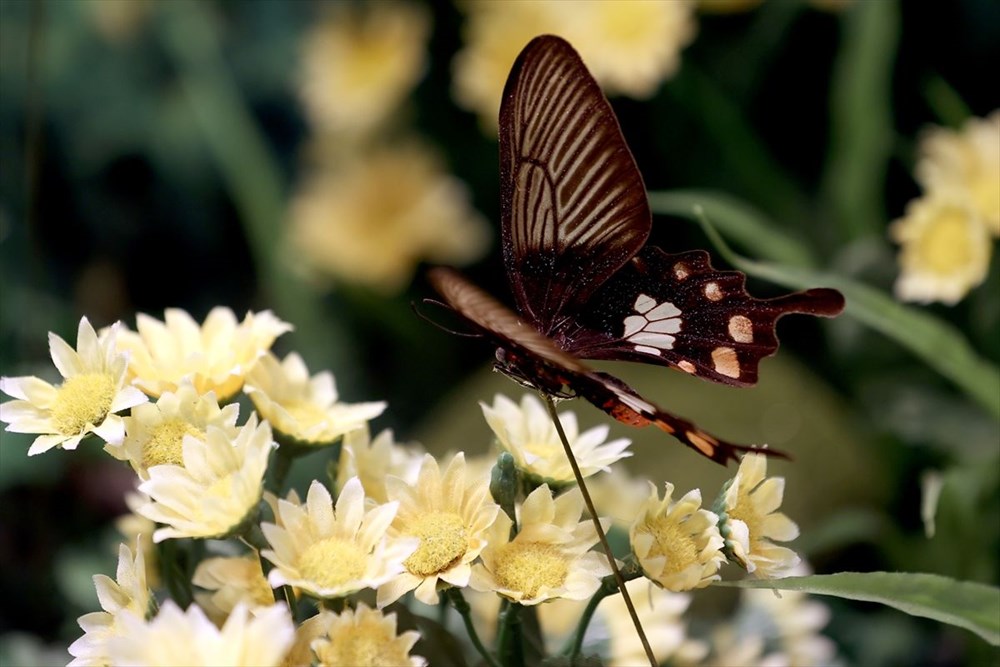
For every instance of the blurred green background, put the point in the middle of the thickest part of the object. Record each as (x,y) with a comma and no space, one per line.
(149,152)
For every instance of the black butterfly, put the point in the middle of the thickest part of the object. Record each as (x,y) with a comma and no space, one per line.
(575,222)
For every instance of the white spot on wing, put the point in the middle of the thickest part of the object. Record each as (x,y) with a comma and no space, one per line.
(634,323)
(644,303)
(680,271)
(725,361)
(686,366)
(712,291)
(652,328)
(663,311)
(646,349)
(741,329)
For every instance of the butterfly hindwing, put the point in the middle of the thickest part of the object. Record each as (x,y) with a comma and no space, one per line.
(677,310)
(571,194)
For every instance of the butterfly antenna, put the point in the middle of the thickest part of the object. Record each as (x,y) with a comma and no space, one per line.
(550,404)
(425,318)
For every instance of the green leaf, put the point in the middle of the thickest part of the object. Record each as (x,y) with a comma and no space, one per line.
(738,220)
(940,345)
(861,130)
(967,604)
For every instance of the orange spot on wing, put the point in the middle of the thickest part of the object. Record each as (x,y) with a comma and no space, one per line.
(705,443)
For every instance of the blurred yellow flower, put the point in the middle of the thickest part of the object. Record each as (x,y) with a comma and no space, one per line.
(371,220)
(965,163)
(449,514)
(309,630)
(677,544)
(129,594)
(361,62)
(330,552)
(631,46)
(214,356)
(231,581)
(661,614)
(189,638)
(550,556)
(365,637)
(216,489)
(945,249)
(154,433)
(618,495)
(527,432)
(303,408)
(792,621)
(372,461)
(94,388)
(750,523)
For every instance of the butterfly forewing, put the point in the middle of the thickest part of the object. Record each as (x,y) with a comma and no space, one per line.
(574,207)
(677,310)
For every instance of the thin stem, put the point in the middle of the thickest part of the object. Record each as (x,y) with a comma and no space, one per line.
(454,595)
(600,530)
(575,643)
(509,640)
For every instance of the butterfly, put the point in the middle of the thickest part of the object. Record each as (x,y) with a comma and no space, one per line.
(575,220)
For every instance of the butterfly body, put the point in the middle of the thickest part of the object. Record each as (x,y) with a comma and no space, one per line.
(575,221)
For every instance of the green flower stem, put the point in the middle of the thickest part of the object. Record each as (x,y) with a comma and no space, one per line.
(575,643)
(173,560)
(509,640)
(278,470)
(600,529)
(455,597)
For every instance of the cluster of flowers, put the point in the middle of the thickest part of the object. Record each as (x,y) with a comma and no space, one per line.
(387,522)
(946,236)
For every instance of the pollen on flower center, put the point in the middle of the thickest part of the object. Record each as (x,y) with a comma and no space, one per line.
(165,444)
(366,644)
(543,450)
(747,513)
(81,400)
(528,566)
(443,542)
(674,543)
(332,562)
(945,246)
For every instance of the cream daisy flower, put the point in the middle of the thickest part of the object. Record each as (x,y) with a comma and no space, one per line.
(332,552)
(359,65)
(309,630)
(750,523)
(662,616)
(94,388)
(449,514)
(966,163)
(945,249)
(550,556)
(215,356)
(373,219)
(231,581)
(303,408)
(618,495)
(365,638)
(373,461)
(128,595)
(189,638)
(677,544)
(631,46)
(154,433)
(137,529)
(527,432)
(216,490)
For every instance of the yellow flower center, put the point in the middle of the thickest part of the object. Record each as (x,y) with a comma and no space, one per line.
(305,413)
(443,542)
(365,644)
(529,566)
(544,450)
(673,542)
(165,444)
(83,400)
(945,247)
(332,562)
(746,512)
